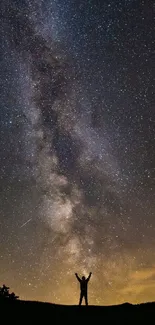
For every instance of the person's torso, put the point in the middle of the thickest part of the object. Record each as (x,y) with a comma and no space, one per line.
(83,285)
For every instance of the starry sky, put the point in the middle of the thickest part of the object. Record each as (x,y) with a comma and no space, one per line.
(77,141)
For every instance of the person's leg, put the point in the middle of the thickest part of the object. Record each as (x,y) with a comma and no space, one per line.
(80,301)
(86,299)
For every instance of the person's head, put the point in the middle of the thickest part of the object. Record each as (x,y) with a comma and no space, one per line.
(83,278)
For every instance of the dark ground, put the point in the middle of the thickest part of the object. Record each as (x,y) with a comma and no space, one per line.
(122,314)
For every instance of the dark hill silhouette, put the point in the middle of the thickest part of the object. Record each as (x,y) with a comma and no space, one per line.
(31,310)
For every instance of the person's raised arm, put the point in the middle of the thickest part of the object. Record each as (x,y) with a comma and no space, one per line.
(77,277)
(89,276)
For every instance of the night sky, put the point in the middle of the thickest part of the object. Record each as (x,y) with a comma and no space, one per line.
(77,149)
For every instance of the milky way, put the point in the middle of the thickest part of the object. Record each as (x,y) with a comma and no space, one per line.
(77,149)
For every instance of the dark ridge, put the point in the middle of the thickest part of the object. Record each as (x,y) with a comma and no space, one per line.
(20,310)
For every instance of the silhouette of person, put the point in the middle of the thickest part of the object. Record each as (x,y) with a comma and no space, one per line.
(83,288)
